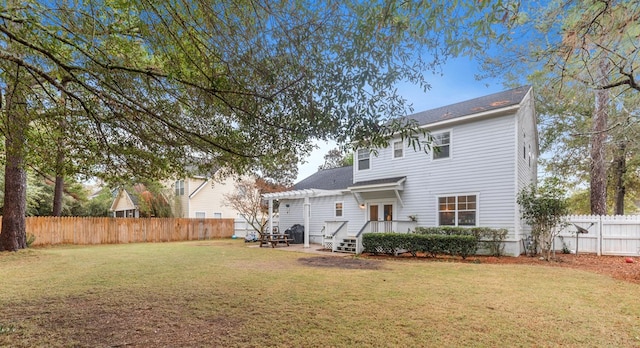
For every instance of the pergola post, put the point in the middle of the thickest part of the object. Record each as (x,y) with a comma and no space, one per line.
(307,213)
(270,215)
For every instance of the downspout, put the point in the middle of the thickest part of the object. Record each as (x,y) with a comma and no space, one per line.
(307,213)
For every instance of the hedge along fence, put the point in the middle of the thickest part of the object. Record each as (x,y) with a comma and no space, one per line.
(436,240)
(51,230)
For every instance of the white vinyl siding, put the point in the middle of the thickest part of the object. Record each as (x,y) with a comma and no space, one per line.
(202,196)
(322,209)
(482,161)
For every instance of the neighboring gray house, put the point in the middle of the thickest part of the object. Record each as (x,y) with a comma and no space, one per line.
(488,149)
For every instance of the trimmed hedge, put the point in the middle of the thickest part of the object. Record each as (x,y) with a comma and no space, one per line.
(489,238)
(456,241)
(430,244)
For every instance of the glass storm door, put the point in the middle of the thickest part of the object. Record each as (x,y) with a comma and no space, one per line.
(381,217)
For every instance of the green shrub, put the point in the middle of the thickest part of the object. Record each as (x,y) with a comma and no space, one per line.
(489,238)
(430,244)
(30,239)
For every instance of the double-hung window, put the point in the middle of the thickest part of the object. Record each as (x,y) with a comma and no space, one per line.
(398,149)
(339,209)
(364,159)
(179,186)
(458,210)
(441,145)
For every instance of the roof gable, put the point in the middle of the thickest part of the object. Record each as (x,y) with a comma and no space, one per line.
(328,179)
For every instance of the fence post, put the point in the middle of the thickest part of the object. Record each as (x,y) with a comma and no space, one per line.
(599,241)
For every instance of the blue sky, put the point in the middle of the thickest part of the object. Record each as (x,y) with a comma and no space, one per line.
(457,83)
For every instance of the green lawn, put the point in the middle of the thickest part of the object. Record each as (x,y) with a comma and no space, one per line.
(225,294)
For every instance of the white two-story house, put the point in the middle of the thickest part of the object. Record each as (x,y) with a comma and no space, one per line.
(487,151)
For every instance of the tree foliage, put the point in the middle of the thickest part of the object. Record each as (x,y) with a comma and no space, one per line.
(152,89)
(247,200)
(585,55)
(544,208)
(336,158)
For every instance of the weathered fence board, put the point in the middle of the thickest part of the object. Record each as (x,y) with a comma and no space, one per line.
(49,230)
(607,235)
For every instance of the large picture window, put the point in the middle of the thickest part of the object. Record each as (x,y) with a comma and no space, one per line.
(441,145)
(457,210)
(364,157)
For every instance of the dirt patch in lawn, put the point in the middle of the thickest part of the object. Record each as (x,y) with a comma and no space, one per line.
(617,267)
(340,262)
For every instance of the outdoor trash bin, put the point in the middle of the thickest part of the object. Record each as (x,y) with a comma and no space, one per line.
(296,232)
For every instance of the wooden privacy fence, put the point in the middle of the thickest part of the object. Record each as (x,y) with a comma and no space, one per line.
(607,235)
(88,230)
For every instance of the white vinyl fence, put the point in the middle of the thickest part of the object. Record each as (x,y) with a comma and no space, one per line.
(607,235)
(242,227)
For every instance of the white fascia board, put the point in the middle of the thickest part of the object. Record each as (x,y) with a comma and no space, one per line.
(497,112)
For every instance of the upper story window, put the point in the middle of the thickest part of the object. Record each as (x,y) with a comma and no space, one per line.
(364,159)
(441,145)
(179,186)
(457,210)
(398,149)
(338,209)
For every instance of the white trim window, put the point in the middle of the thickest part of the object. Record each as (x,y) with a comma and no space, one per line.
(217,215)
(441,145)
(398,149)
(179,186)
(364,159)
(339,209)
(201,215)
(461,210)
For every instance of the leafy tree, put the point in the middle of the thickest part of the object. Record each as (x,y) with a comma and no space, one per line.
(99,204)
(153,200)
(336,158)
(247,200)
(589,45)
(544,208)
(160,87)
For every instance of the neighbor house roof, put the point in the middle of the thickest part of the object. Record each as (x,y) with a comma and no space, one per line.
(473,106)
(327,179)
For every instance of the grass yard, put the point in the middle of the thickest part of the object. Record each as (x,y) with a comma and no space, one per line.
(225,294)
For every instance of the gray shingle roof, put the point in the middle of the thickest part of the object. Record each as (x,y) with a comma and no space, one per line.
(378,181)
(486,103)
(328,179)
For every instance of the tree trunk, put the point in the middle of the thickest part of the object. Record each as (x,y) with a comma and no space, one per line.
(620,163)
(58,192)
(597,149)
(13,233)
